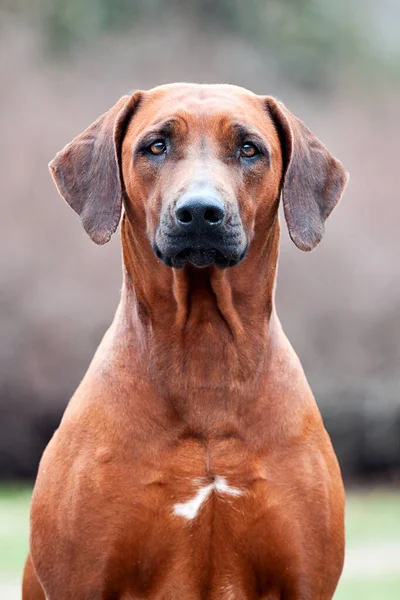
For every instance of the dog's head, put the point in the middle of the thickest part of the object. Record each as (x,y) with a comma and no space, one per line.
(200,168)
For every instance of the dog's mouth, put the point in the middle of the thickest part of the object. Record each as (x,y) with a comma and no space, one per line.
(223,247)
(199,257)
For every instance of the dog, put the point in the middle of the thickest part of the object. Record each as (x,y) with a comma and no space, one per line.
(192,461)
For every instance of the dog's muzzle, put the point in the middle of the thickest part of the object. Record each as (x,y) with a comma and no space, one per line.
(200,232)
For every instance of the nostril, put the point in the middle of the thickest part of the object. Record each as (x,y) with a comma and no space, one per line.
(184,216)
(213,215)
(196,214)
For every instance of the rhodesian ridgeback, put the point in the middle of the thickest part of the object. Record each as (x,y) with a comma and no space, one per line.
(192,461)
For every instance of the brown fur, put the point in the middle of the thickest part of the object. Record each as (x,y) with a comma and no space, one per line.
(194,379)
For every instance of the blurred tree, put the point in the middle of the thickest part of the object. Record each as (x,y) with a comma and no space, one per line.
(53,314)
(310,41)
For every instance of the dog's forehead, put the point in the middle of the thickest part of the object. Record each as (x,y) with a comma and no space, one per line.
(200,101)
(201,94)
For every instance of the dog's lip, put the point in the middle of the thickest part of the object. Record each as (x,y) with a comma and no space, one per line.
(200,257)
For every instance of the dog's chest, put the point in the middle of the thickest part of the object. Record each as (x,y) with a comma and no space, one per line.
(203,517)
(191,518)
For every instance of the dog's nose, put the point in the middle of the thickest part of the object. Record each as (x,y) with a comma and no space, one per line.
(199,213)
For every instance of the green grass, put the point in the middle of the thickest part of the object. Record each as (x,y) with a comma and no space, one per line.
(373,515)
(373,522)
(387,588)
(14,526)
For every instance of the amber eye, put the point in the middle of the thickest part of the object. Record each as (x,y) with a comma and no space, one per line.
(156,148)
(249,150)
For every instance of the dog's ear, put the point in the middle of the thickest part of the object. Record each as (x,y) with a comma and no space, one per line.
(87,171)
(313,180)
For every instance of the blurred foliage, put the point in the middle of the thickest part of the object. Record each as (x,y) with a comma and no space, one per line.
(310,41)
(342,312)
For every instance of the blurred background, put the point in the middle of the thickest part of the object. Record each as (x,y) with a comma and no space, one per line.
(336,65)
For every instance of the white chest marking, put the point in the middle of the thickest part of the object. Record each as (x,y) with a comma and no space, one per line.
(190,509)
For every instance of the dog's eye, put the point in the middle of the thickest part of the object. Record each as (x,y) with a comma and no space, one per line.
(249,150)
(156,148)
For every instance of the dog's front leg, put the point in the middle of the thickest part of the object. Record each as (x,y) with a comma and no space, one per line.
(31,588)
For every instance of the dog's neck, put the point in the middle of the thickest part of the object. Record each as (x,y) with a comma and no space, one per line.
(199,329)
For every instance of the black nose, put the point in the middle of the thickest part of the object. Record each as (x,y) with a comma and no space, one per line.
(199,214)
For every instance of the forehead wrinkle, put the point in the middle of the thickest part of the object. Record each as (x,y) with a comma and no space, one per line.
(206,123)
(169,123)
(196,99)
(244,128)
(202,99)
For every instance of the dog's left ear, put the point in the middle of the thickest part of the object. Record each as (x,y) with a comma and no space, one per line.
(87,171)
(313,180)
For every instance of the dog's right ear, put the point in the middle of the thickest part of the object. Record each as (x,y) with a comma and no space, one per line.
(87,171)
